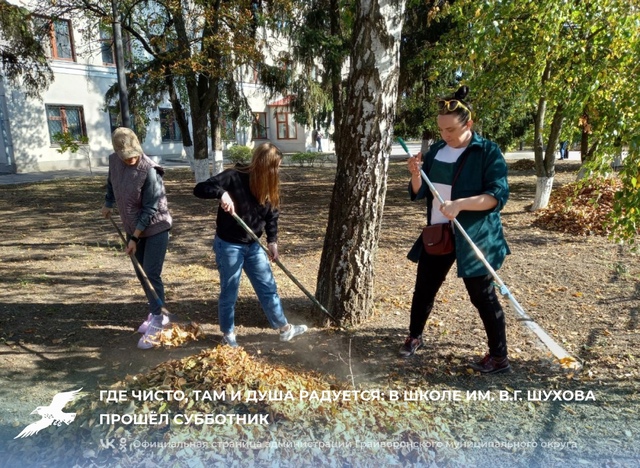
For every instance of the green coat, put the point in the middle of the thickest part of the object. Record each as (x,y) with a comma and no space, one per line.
(484,171)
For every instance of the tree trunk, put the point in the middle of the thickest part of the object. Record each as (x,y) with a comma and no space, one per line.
(216,140)
(543,192)
(538,137)
(428,139)
(345,279)
(335,71)
(200,159)
(201,98)
(543,186)
(187,152)
(584,144)
(216,133)
(181,120)
(553,141)
(586,151)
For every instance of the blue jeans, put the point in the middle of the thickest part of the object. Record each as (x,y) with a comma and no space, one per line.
(232,259)
(150,253)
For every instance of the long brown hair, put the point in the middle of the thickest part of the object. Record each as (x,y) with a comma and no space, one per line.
(264,180)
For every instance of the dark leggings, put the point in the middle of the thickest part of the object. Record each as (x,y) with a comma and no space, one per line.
(432,271)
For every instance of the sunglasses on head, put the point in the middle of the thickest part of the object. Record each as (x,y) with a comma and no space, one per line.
(451,105)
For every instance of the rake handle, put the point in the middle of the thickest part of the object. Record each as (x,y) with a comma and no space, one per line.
(283,268)
(138,267)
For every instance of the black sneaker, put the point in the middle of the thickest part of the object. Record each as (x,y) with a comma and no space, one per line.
(492,365)
(410,346)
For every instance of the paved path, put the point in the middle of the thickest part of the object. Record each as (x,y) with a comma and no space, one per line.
(397,153)
(101,171)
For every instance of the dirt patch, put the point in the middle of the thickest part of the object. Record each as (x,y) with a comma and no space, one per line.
(70,305)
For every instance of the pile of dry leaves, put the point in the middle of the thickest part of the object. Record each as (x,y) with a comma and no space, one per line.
(580,208)
(179,334)
(522,165)
(311,421)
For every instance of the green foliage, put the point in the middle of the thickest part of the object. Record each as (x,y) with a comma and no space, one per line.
(193,53)
(421,80)
(22,58)
(68,141)
(571,65)
(519,56)
(625,218)
(145,94)
(239,154)
(320,48)
(309,158)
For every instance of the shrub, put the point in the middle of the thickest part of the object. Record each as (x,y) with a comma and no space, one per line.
(306,157)
(239,154)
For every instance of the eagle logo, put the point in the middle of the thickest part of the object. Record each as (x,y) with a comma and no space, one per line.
(52,414)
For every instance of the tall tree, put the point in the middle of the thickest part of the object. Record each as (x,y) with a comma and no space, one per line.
(345,280)
(549,54)
(320,48)
(22,58)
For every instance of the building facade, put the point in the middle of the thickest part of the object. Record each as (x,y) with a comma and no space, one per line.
(74,103)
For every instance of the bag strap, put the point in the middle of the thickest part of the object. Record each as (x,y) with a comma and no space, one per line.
(464,158)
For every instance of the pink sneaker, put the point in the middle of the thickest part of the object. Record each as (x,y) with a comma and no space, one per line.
(151,337)
(145,325)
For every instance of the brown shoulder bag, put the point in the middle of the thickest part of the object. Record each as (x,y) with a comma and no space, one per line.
(438,239)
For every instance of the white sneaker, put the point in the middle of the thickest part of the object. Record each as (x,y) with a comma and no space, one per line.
(294,330)
(151,337)
(143,327)
(230,339)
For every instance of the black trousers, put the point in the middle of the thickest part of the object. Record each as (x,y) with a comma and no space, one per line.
(432,271)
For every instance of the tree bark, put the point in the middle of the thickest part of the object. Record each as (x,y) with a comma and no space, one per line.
(544,184)
(187,153)
(200,159)
(216,132)
(345,279)
(335,71)
(181,120)
(553,141)
(538,137)
(584,144)
(201,98)
(544,166)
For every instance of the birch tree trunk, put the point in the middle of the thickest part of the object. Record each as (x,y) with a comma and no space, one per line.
(345,279)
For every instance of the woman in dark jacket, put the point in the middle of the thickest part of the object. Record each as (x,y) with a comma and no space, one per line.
(135,184)
(253,193)
(470,174)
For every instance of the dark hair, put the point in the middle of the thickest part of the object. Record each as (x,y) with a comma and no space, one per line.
(463,112)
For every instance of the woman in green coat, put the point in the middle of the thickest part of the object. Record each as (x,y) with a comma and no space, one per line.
(470,174)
